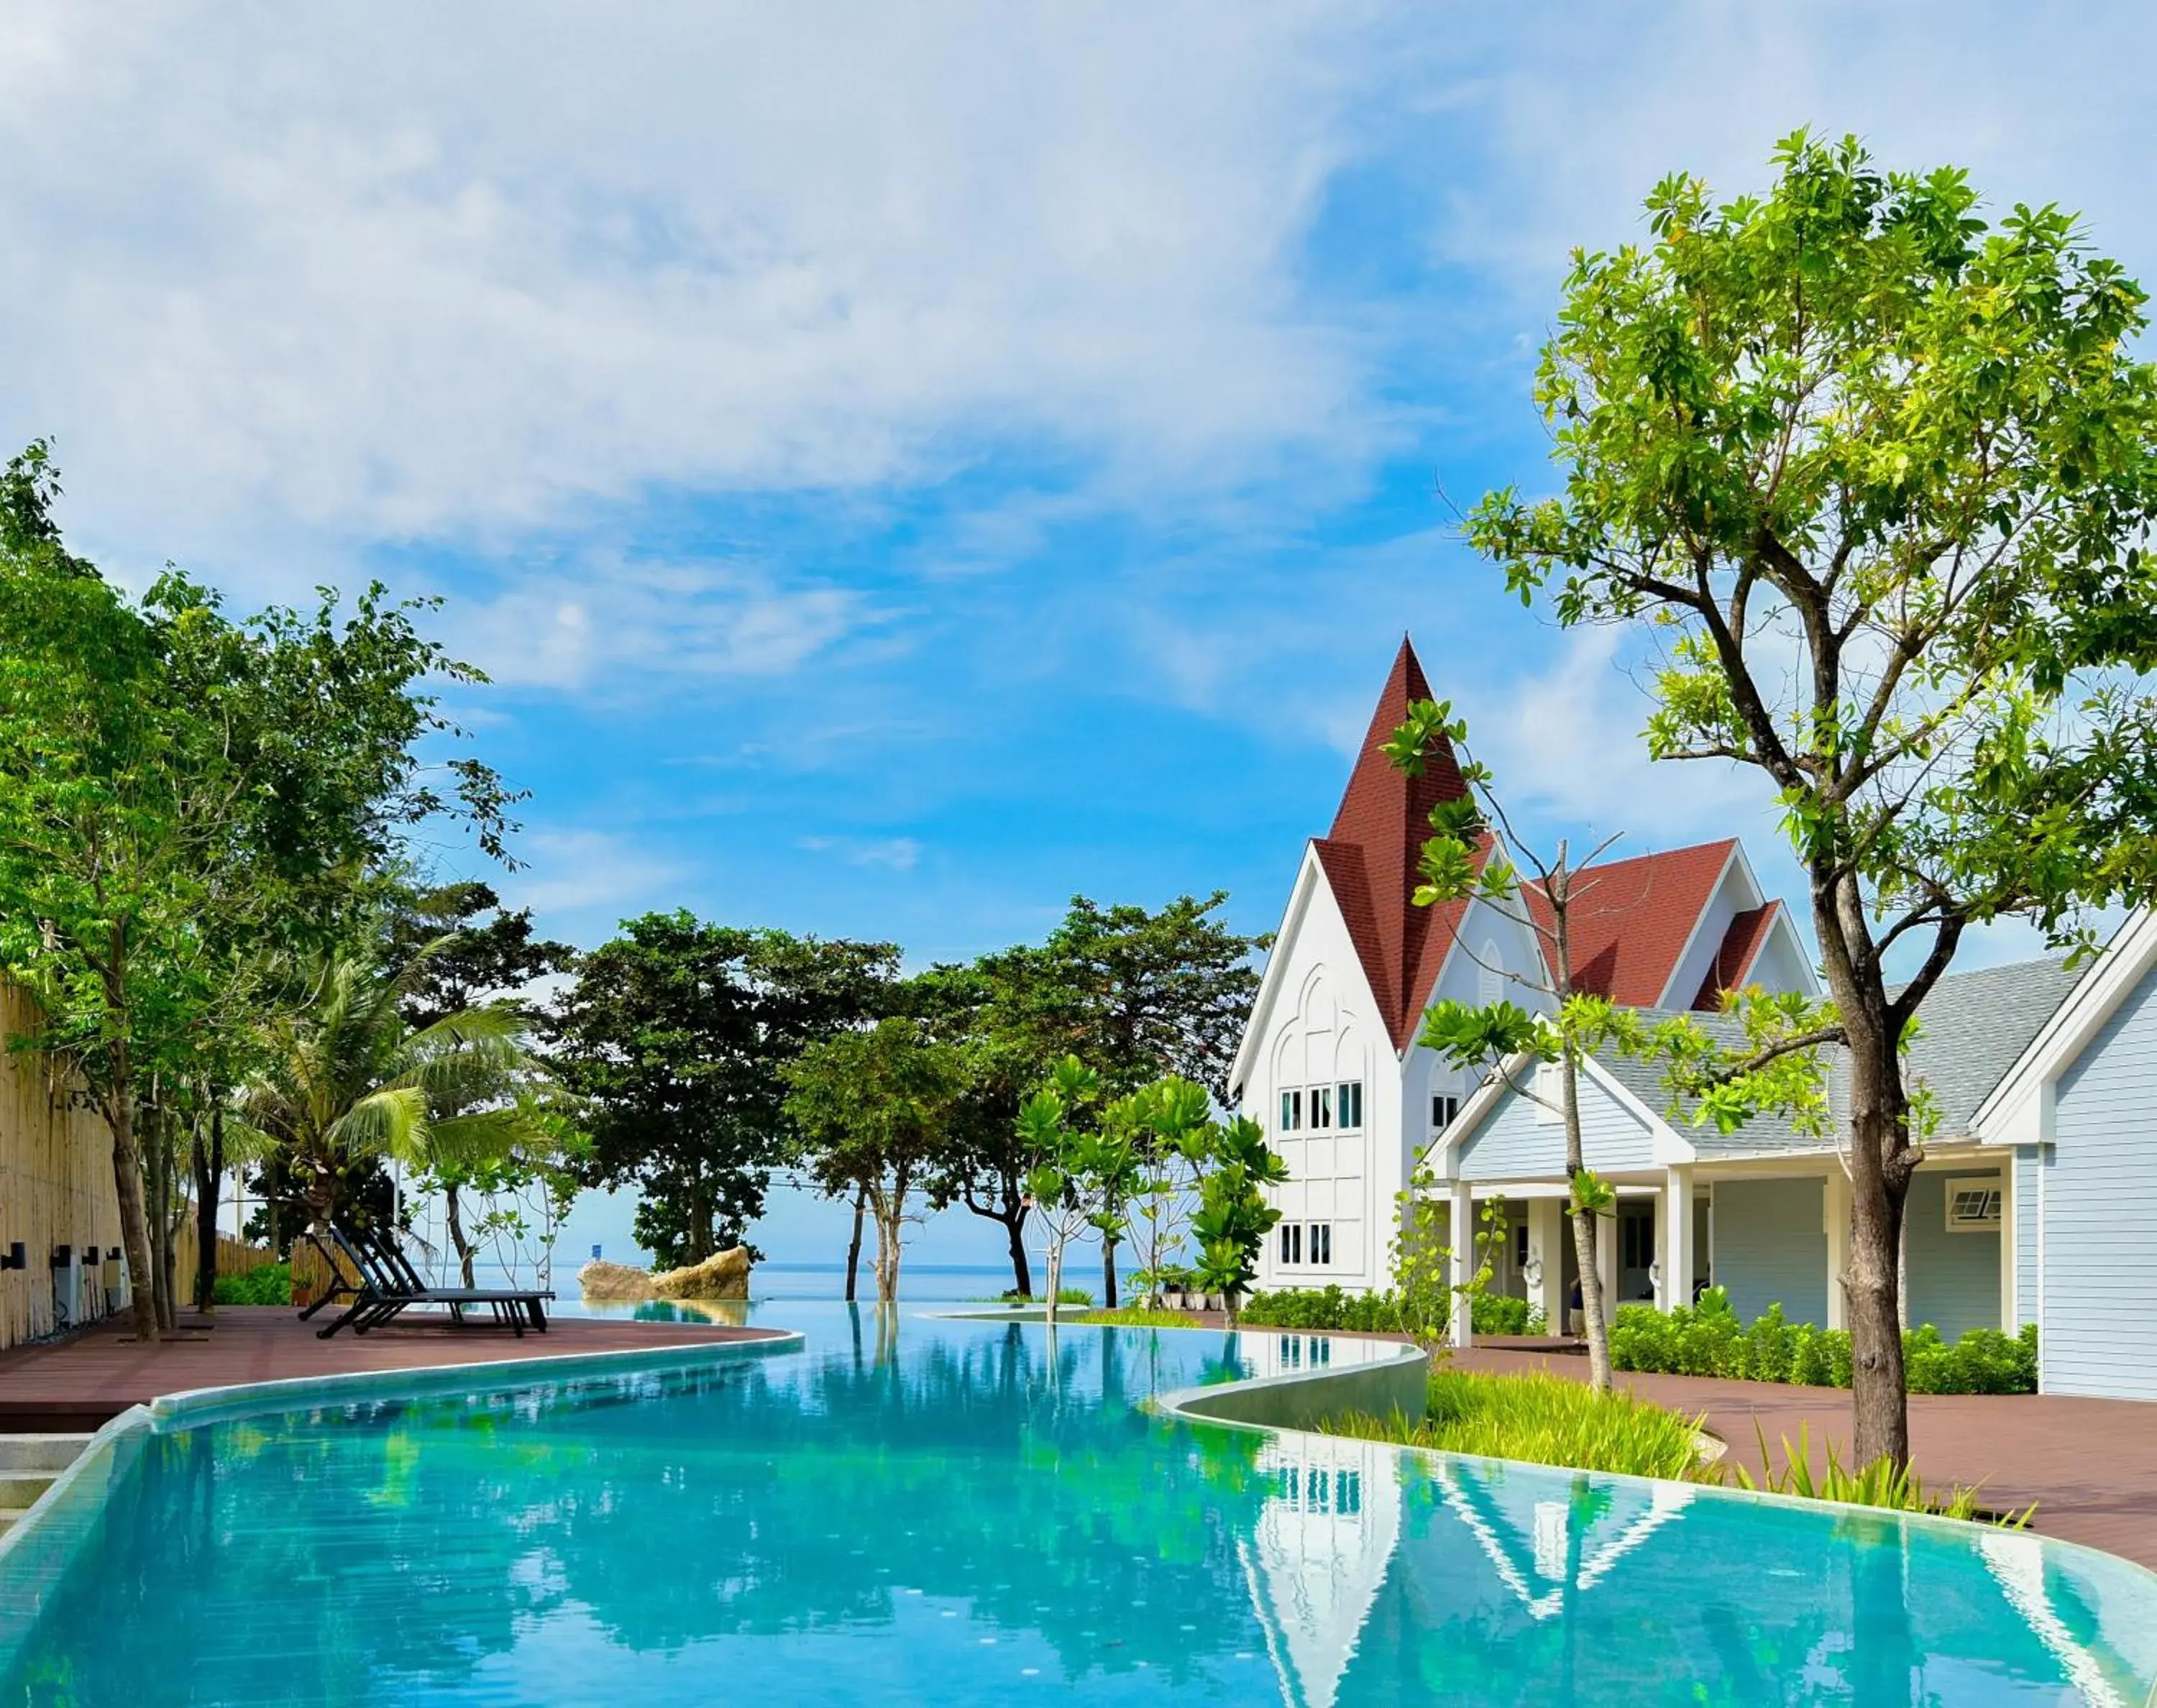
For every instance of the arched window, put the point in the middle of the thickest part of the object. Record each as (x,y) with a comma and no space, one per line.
(1489,980)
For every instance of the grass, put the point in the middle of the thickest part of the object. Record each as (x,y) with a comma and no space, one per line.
(1545,1419)
(1139,1316)
(1550,1420)
(1068,1295)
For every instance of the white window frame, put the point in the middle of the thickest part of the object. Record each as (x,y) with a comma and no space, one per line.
(1994,1186)
(1291,1111)
(1348,1092)
(1452,1102)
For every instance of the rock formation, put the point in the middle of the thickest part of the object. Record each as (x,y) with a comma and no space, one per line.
(723,1276)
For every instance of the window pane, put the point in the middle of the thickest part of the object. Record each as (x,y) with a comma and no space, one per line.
(1321,1106)
(1350,1107)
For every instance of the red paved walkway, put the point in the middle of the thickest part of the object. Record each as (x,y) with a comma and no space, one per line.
(80,1383)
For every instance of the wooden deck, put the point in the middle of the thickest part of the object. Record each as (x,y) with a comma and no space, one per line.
(80,1383)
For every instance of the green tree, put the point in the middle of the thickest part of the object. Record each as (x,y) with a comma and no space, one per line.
(676,1034)
(347,1078)
(1879,476)
(983,1166)
(173,786)
(1138,995)
(1134,994)
(871,1107)
(1464,867)
(1234,1216)
(1078,1154)
(477,950)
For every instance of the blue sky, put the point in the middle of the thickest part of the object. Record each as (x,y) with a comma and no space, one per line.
(902,470)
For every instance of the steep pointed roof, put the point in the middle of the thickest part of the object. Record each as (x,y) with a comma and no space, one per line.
(1370,858)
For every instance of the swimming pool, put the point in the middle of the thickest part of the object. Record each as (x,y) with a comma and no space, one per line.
(958,1513)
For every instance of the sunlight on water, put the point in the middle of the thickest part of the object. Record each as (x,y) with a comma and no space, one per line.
(959,1513)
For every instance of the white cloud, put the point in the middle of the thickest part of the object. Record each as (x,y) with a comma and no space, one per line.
(580,881)
(621,622)
(888,853)
(285,278)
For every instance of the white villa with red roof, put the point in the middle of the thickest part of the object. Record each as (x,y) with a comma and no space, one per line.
(2043,1078)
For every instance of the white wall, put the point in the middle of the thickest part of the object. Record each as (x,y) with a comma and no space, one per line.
(1318,1006)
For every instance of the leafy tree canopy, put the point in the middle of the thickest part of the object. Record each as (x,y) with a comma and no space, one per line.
(677,1032)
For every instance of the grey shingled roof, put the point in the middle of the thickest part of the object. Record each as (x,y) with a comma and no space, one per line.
(1973,1027)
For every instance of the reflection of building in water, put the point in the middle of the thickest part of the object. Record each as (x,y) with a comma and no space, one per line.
(1538,1545)
(1318,1555)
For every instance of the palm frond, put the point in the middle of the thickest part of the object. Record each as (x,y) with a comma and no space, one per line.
(392,1122)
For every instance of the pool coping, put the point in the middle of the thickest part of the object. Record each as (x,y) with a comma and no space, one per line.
(193,1408)
(1290,1403)
(1177,1403)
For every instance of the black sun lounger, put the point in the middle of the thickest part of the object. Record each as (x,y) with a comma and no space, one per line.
(383,1284)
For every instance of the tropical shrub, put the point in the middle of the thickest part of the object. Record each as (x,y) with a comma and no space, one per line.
(1329,1307)
(1707,1339)
(1882,1483)
(271,1284)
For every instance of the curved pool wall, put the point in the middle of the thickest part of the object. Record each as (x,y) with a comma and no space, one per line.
(911,1510)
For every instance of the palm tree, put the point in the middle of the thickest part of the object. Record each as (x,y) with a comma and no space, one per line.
(346,1077)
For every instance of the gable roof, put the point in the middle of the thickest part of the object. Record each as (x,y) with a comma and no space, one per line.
(1370,858)
(2018,1109)
(1632,920)
(1974,1027)
(1733,960)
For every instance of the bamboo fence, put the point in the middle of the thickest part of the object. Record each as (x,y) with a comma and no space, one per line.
(55,1182)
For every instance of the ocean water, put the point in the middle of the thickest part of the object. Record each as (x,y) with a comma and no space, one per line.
(916,1510)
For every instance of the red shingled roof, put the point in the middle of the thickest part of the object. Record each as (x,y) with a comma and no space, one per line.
(1370,857)
(1631,919)
(1733,960)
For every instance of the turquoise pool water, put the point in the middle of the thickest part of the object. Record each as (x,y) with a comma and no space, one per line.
(959,1514)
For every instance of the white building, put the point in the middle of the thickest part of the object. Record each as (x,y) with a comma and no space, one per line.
(1330,1064)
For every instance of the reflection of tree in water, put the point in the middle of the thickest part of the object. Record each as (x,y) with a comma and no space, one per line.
(413,1542)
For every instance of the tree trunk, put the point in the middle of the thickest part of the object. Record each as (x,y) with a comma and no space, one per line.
(1021,1269)
(854,1246)
(1879,1403)
(1108,1271)
(1594,1323)
(700,1225)
(209,1167)
(161,1212)
(134,1213)
(453,1220)
(1055,1274)
(1882,1161)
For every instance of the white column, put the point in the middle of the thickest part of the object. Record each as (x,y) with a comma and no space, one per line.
(1460,1238)
(1547,1238)
(1834,1222)
(2007,1243)
(1675,1255)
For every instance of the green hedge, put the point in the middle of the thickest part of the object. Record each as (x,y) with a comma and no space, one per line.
(1365,1313)
(271,1284)
(1707,1339)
